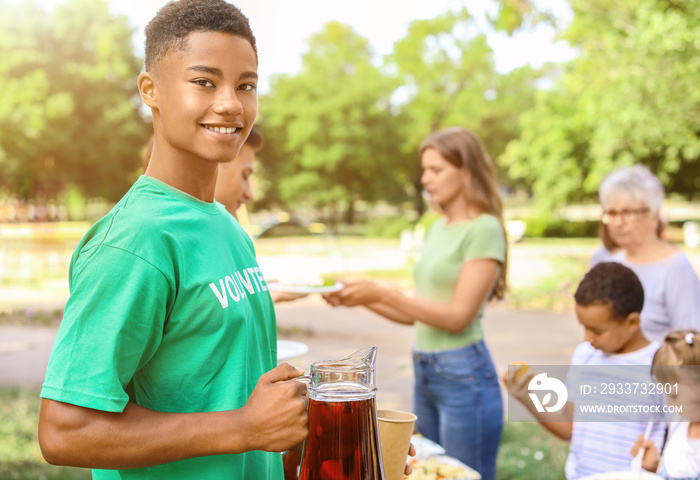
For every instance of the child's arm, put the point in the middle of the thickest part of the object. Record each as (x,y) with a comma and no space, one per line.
(273,419)
(561,426)
(558,423)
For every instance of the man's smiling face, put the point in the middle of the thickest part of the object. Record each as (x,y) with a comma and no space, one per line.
(206,96)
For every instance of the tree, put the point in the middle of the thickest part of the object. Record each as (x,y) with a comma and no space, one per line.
(333,132)
(448,77)
(514,15)
(68,113)
(631,96)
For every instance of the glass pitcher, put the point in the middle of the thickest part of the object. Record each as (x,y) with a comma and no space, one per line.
(343,441)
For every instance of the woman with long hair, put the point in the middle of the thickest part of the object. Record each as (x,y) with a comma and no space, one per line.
(457,397)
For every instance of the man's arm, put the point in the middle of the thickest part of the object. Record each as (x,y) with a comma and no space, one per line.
(273,419)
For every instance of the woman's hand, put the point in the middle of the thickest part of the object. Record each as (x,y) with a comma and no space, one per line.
(361,292)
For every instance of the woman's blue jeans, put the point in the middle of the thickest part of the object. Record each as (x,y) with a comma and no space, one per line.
(457,400)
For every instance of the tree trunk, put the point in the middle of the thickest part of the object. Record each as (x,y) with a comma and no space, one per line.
(350,213)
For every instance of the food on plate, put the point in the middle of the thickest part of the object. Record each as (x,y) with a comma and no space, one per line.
(440,468)
(424,447)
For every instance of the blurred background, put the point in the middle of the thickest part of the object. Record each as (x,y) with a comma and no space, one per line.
(561,91)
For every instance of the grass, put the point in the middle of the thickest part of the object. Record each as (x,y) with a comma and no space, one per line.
(20,457)
(527,451)
(32,317)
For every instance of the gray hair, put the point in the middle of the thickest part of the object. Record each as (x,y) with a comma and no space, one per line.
(638,182)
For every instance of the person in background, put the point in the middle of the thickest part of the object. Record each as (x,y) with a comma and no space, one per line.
(457,398)
(165,364)
(609,246)
(609,300)
(632,199)
(677,364)
(233,188)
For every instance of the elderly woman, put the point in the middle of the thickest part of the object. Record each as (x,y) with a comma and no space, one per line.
(631,232)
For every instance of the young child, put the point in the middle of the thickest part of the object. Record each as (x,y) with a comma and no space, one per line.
(677,362)
(164,366)
(609,300)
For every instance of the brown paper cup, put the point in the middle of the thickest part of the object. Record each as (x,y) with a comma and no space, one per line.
(395,430)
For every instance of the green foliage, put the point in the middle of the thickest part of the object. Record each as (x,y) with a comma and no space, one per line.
(345,129)
(20,457)
(387,227)
(334,135)
(513,15)
(549,226)
(447,75)
(67,113)
(632,96)
(427,219)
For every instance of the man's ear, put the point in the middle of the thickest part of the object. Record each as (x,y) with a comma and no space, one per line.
(633,320)
(147,89)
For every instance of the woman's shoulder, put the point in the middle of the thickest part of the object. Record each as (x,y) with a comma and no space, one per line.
(602,254)
(675,259)
(679,266)
(488,222)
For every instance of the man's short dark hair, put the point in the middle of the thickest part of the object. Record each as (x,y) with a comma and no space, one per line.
(612,284)
(168,30)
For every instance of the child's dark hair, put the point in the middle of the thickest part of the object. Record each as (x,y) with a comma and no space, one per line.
(168,30)
(612,284)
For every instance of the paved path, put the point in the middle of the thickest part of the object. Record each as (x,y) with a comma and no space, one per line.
(535,337)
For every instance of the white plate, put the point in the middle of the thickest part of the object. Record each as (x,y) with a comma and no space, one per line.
(295,288)
(287,349)
(425,448)
(623,475)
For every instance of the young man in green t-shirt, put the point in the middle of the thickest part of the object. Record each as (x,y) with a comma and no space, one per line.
(164,365)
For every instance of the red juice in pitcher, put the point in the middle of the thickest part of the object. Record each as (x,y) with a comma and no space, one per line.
(342,442)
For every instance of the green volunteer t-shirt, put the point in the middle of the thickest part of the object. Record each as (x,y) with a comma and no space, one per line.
(167,309)
(446,249)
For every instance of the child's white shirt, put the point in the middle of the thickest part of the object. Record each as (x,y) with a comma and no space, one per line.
(681,456)
(598,447)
